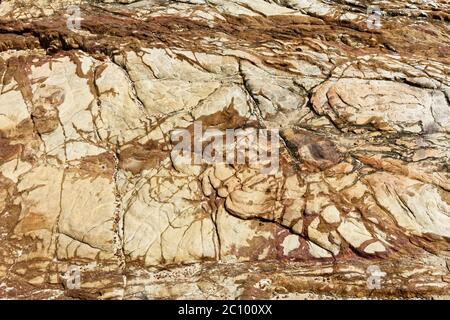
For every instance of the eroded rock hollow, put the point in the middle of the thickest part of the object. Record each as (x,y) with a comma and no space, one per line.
(91,92)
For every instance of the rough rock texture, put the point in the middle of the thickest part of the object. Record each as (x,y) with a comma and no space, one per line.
(87,178)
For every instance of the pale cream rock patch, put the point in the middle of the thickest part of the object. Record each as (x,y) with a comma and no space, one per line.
(233,8)
(167,96)
(356,191)
(54,143)
(331,214)
(196,242)
(13,109)
(118,116)
(305,68)
(166,64)
(136,68)
(177,83)
(236,234)
(42,182)
(290,243)
(340,183)
(317,251)
(354,232)
(223,172)
(143,224)
(278,99)
(416,206)
(227,95)
(320,238)
(37,280)
(314,205)
(386,105)
(14,169)
(224,66)
(265,8)
(164,222)
(78,150)
(319,194)
(68,248)
(73,114)
(375,247)
(294,209)
(88,210)
(248,204)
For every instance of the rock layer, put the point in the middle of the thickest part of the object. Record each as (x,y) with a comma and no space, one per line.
(88,180)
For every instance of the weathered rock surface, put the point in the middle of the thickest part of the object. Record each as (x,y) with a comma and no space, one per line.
(87,178)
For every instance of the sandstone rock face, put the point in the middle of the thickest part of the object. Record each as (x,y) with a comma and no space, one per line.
(91,93)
